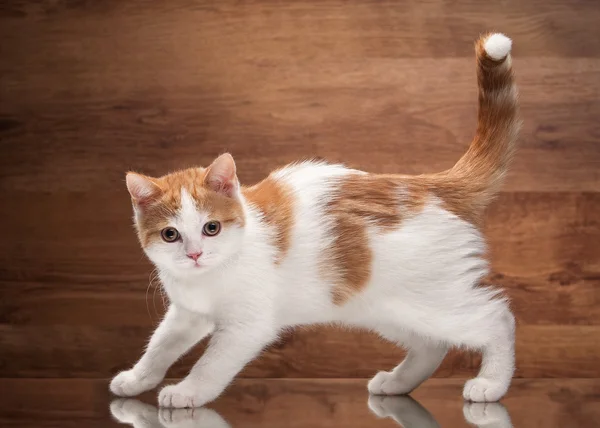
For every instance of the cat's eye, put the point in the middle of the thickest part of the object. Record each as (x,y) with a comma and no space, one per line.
(211,228)
(169,234)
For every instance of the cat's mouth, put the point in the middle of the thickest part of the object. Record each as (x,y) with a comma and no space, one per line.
(196,264)
(193,265)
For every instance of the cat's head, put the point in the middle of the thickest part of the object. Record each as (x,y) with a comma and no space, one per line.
(190,221)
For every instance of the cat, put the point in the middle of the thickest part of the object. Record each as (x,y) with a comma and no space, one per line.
(317,243)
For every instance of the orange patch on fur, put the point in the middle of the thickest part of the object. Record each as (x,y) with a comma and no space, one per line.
(275,202)
(454,193)
(383,201)
(156,212)
(359,200)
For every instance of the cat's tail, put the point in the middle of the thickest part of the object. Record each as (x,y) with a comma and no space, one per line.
(486,162)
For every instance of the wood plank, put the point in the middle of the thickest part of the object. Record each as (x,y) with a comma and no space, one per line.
(544,252)
(130,31)
(247,88)
(566,300)
(535,302)
(534,232)
(82,270)
(158,130)
(99,351)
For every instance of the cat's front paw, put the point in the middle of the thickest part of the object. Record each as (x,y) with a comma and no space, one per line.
(129,383)
(388,383)
(185,394)
(482,390)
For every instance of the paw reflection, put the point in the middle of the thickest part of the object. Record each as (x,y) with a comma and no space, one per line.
(489,415)
(405,410)
(142,415)
(408,413)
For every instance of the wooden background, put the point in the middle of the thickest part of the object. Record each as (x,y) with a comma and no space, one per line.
(90,89)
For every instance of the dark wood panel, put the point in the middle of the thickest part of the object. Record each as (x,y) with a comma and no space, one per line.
(88,144)
(99,351)
(313,79)
(362,28)
(302,403)
(431,81)
(408,108)
(544,251)
(568,299)
(90,235)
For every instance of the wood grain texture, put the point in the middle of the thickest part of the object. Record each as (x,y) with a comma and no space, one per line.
(89,90)
(301,403)
(112,87)
(101,351)
(419,115)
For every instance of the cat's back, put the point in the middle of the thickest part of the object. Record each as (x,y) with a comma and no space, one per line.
(347,232)
(293,200)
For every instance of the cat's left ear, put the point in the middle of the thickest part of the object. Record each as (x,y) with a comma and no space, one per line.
(221,176)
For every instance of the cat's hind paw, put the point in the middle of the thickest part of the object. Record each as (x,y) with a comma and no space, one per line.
(186,394)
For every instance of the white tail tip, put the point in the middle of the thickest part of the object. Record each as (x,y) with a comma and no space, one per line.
(497,46)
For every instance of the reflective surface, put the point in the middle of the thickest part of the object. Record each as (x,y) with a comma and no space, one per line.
(404,411)
(303,403)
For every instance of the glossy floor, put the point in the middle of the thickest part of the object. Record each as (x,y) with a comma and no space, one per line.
(303,403)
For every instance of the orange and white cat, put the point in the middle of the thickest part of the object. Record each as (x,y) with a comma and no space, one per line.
(316,243)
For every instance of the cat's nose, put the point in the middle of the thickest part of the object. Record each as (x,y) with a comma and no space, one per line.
(194,256)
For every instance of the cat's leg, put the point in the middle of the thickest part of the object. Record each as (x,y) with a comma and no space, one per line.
(473,318)
(477,319)
(176,334)
(498,357)
(422,359)
(231,347)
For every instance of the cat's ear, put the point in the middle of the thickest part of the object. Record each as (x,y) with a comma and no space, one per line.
(141,188)
(221,176)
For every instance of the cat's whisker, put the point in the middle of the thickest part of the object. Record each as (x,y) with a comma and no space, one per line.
(164,301)
(154,278)
(146,296)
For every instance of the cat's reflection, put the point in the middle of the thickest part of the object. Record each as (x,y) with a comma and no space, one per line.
(408,413)
(142,415)
(405,410)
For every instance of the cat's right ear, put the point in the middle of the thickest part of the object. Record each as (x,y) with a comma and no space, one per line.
(141,188)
